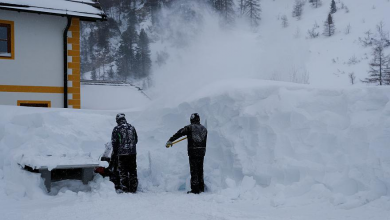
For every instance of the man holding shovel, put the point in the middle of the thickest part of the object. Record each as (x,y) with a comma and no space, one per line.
(197,138)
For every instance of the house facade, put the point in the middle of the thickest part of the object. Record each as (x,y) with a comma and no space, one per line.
(40,51)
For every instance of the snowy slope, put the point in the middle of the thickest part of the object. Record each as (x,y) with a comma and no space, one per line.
(279,145)
(201,52)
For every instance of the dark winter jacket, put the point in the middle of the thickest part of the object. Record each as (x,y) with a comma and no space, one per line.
(197,138)
(124,139)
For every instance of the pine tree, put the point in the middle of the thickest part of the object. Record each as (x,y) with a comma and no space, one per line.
(103,34)
(242,7)
(378,67)
(144,63)
(253,10)
(225,9)
(333,8)
(125,58)
(153,6)
(382,36)
(298,9)
(329,29)
(313,32)
(284,21)
(111,72)
(93,74)
(316,3)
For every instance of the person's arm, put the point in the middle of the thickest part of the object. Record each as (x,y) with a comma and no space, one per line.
(114,142)
(114,153)
(135,136)
(182,132)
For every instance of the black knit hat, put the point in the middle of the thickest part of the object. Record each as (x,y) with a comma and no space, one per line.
(195,118)
(119,117)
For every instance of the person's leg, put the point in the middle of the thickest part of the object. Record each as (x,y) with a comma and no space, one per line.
(123,168)
(200,174)
(194,175)
(133,173)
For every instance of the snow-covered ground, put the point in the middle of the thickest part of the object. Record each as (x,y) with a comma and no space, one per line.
(275,151)
(112,97)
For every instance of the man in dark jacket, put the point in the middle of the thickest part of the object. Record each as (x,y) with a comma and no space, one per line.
(124,139)
(197,138)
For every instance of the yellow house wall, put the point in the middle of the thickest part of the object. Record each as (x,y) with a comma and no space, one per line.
(74,64)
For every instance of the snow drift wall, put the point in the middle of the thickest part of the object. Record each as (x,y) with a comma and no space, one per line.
(276,141)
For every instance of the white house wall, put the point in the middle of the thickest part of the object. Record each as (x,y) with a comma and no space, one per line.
(38,50)
(38,59)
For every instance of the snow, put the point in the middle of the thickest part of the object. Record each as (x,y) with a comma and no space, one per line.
(112,97)
(272,146)
(202,52)
(276,150)
(85,8)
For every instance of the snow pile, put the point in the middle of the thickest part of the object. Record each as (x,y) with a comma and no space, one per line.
(266,141)
(112,97)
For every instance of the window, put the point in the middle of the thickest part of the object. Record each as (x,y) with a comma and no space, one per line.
(28,103)
(6,40)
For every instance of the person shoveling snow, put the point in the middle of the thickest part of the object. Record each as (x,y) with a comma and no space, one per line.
(197,138)
(124,139)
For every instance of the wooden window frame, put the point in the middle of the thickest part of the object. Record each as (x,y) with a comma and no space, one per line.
(48,103)
(11,39)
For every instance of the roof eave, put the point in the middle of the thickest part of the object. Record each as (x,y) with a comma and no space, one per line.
(103,17)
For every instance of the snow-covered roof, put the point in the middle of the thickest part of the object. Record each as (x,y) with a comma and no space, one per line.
(84,9)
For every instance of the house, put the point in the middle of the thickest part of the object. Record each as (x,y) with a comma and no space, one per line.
(40,51)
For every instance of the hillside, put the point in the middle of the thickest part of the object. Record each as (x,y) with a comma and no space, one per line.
(191,43)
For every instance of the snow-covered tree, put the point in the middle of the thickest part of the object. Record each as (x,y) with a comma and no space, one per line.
(382,36)
(348,29)
(93,74)
(378,67)
(298,9)
(313,32)
(125,58)
(144,63)
(242,7)
(252,11)
(367,40)
(333,7)
(225,8)
(316,3)
(352,78)
(153,6)
(329,27)
(284,21)
(111,72)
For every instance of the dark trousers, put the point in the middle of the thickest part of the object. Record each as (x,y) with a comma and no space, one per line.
(196,169)
(127,166)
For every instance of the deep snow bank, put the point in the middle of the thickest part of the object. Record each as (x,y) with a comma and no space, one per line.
(110,97)
(276,141)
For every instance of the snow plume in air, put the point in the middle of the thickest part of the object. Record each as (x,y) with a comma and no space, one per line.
(195,47)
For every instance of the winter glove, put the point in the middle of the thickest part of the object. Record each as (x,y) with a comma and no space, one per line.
(169,144)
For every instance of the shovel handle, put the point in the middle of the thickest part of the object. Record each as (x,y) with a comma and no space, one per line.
(175,142)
